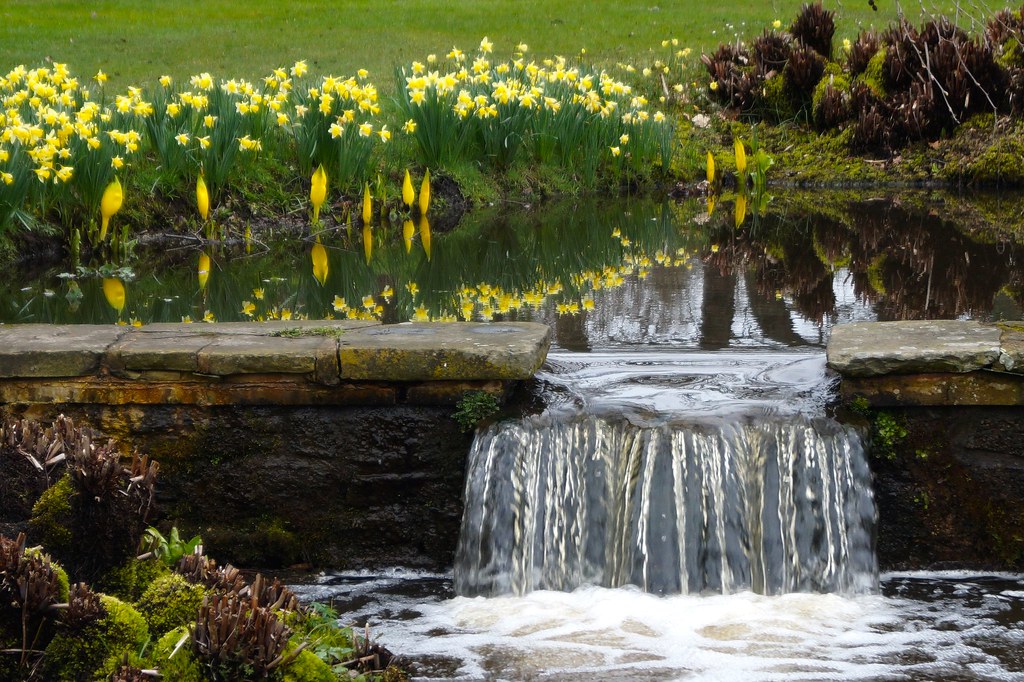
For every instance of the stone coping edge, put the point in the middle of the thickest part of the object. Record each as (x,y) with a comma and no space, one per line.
(326,353)
(876,349)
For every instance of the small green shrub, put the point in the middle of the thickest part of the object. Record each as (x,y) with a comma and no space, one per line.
(887,434)
(474,407)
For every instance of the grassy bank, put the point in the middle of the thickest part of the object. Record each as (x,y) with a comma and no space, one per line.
(637,109)
(135,43)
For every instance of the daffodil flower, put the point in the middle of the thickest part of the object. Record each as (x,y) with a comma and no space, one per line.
(110,203)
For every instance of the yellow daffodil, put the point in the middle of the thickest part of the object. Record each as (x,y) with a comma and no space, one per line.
(258,293)
(248,308)
(425,193)
(367,205)
(339,304)
(208,316)
(425,233)
(110,203)
(320,267)
(741,157)
(408,193)
(711,168)
(202,198)
(113,291)
(203,272)
(318,191)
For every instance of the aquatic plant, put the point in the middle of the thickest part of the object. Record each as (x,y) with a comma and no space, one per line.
(168,549)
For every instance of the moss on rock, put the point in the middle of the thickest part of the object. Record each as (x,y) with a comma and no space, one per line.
(51,516)
(80,654)
(308,667)
(174,662)
(874,75)
(129,580)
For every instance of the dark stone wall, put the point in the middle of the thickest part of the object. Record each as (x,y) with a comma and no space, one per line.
(950,493)
(337,487)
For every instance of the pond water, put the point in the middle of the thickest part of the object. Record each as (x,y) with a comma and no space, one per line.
(680,504)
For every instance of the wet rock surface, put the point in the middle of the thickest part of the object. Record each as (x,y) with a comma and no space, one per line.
(949,494)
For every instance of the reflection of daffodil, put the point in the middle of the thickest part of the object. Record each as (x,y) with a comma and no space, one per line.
(203,270)
(113,291)
(425,232)
(320,265)
(408,230)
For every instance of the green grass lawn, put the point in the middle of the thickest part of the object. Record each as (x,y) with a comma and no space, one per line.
(135,42)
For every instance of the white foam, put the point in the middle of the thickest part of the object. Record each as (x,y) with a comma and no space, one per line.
(612,634)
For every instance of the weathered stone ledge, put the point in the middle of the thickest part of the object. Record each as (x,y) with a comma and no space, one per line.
(280,363)
(930,362)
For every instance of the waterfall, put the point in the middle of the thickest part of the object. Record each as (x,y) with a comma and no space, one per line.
(741,504)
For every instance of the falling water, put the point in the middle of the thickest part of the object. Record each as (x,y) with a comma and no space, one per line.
(772,506)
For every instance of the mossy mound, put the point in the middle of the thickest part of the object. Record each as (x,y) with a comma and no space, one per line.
(80,654)
(132,578)
(169,602)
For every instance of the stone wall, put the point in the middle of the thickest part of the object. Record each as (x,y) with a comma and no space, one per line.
(340,487)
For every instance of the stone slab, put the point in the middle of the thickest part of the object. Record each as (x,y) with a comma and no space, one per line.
(867,349)
(251,354)
(165,351)
(431,351)
(43,350)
